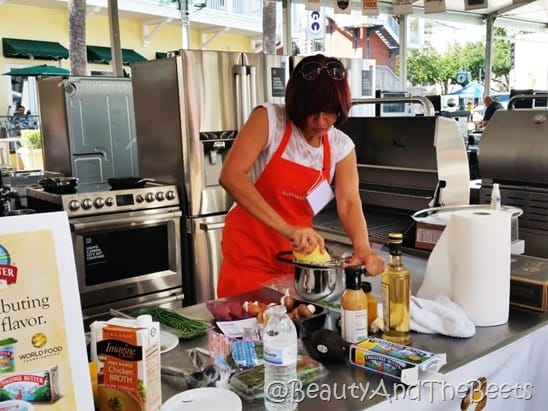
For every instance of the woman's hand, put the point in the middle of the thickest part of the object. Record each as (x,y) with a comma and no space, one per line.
(305,239)
(373,262)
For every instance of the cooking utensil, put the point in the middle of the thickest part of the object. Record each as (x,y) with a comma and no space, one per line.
(59,185)
(314,281)
(120,183)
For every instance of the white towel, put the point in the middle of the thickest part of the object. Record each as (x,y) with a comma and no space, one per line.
(440,315)
(437,316)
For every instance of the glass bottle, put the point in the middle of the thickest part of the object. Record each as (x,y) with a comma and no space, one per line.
(353,307)
(280,360)
(396,295)
(371,303)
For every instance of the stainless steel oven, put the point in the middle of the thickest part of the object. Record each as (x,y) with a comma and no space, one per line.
(126,245)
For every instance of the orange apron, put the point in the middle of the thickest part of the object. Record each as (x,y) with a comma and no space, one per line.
(250,247)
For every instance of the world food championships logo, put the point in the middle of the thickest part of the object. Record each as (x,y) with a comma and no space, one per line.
(8,272)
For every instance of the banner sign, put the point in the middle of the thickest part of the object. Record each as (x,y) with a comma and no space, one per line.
(312,5)
(434,6)
(402,6)
(341,6)
(316,25)
(42,344)
(475,4)
(370,7)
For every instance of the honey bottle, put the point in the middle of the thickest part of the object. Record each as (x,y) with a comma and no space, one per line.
(353,307)
(396,295)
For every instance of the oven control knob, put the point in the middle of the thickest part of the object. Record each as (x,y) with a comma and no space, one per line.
(170,195)
(87,204)
(139,198)
(150,197)
(74,205)
(98,202)
(109,202)
(160,196)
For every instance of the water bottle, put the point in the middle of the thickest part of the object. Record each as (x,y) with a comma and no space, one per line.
(280,360)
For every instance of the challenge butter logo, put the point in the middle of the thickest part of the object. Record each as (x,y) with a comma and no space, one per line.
(8,272)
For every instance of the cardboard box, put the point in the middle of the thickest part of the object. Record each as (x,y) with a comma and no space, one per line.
(127,353)
(427,235)
(404,363)
(529,282)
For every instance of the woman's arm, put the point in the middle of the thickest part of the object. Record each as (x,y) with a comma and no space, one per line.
(350,211)
(234,178)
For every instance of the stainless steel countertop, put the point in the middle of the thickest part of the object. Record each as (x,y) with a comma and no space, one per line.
(459,351)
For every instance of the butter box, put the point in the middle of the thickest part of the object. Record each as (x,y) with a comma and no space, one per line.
(529,282)
(32,386)
(404,363)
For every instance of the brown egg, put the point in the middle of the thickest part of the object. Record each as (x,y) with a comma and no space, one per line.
(306,311)
(287,301)
(294,314)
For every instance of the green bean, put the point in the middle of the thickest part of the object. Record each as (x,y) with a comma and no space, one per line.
(174,322)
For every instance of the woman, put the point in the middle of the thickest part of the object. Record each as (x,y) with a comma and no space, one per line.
(278,171)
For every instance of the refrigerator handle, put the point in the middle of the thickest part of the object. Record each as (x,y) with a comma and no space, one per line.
(252,77)
(241,94)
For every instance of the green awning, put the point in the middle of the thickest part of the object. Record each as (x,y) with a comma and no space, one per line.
(42,70)
(99,54)
(45,50)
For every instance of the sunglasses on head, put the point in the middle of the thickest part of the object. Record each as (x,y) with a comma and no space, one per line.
(313,69)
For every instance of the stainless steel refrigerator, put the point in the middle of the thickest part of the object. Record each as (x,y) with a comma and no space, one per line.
(188,109)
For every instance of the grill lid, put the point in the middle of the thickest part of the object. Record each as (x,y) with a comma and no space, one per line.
(513,147)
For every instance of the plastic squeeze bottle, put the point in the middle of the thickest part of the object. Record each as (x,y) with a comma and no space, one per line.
(353,307)
(496,199)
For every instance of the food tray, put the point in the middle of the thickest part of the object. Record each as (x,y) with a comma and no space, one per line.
(249,384)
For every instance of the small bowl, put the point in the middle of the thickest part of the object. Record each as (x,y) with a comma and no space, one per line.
(307,326)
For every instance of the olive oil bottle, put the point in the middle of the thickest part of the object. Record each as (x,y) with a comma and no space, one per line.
(396,295)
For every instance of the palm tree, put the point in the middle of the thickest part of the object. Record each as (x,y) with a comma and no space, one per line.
(269,26)
(77,36)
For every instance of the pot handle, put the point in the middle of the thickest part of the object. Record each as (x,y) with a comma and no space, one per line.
(281,256)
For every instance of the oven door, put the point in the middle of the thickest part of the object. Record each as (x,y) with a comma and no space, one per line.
(124,255)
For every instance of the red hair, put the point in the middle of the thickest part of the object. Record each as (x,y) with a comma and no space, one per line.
(324,94)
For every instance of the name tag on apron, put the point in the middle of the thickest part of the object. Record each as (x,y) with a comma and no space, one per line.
(320,196)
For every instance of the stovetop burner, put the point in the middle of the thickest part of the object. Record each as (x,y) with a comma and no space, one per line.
(100,198)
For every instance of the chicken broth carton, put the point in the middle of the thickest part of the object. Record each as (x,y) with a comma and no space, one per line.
(127,354)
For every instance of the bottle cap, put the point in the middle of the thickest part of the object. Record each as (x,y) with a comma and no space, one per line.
(395,238)
(366,287)
(353,277)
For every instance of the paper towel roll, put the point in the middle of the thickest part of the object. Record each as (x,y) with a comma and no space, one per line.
(471,265)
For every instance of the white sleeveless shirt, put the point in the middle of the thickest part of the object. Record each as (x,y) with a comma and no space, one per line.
(298,150)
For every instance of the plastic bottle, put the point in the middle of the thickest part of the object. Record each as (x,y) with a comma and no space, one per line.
(280,360)
(496,199)
(371,303)
(396,295)
(353,307)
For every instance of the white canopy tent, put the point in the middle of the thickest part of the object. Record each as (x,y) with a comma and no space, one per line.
(525,14)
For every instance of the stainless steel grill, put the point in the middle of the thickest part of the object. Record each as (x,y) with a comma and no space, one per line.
(405,164)
(513,153)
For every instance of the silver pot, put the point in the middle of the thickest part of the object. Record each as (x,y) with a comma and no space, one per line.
(314,282)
